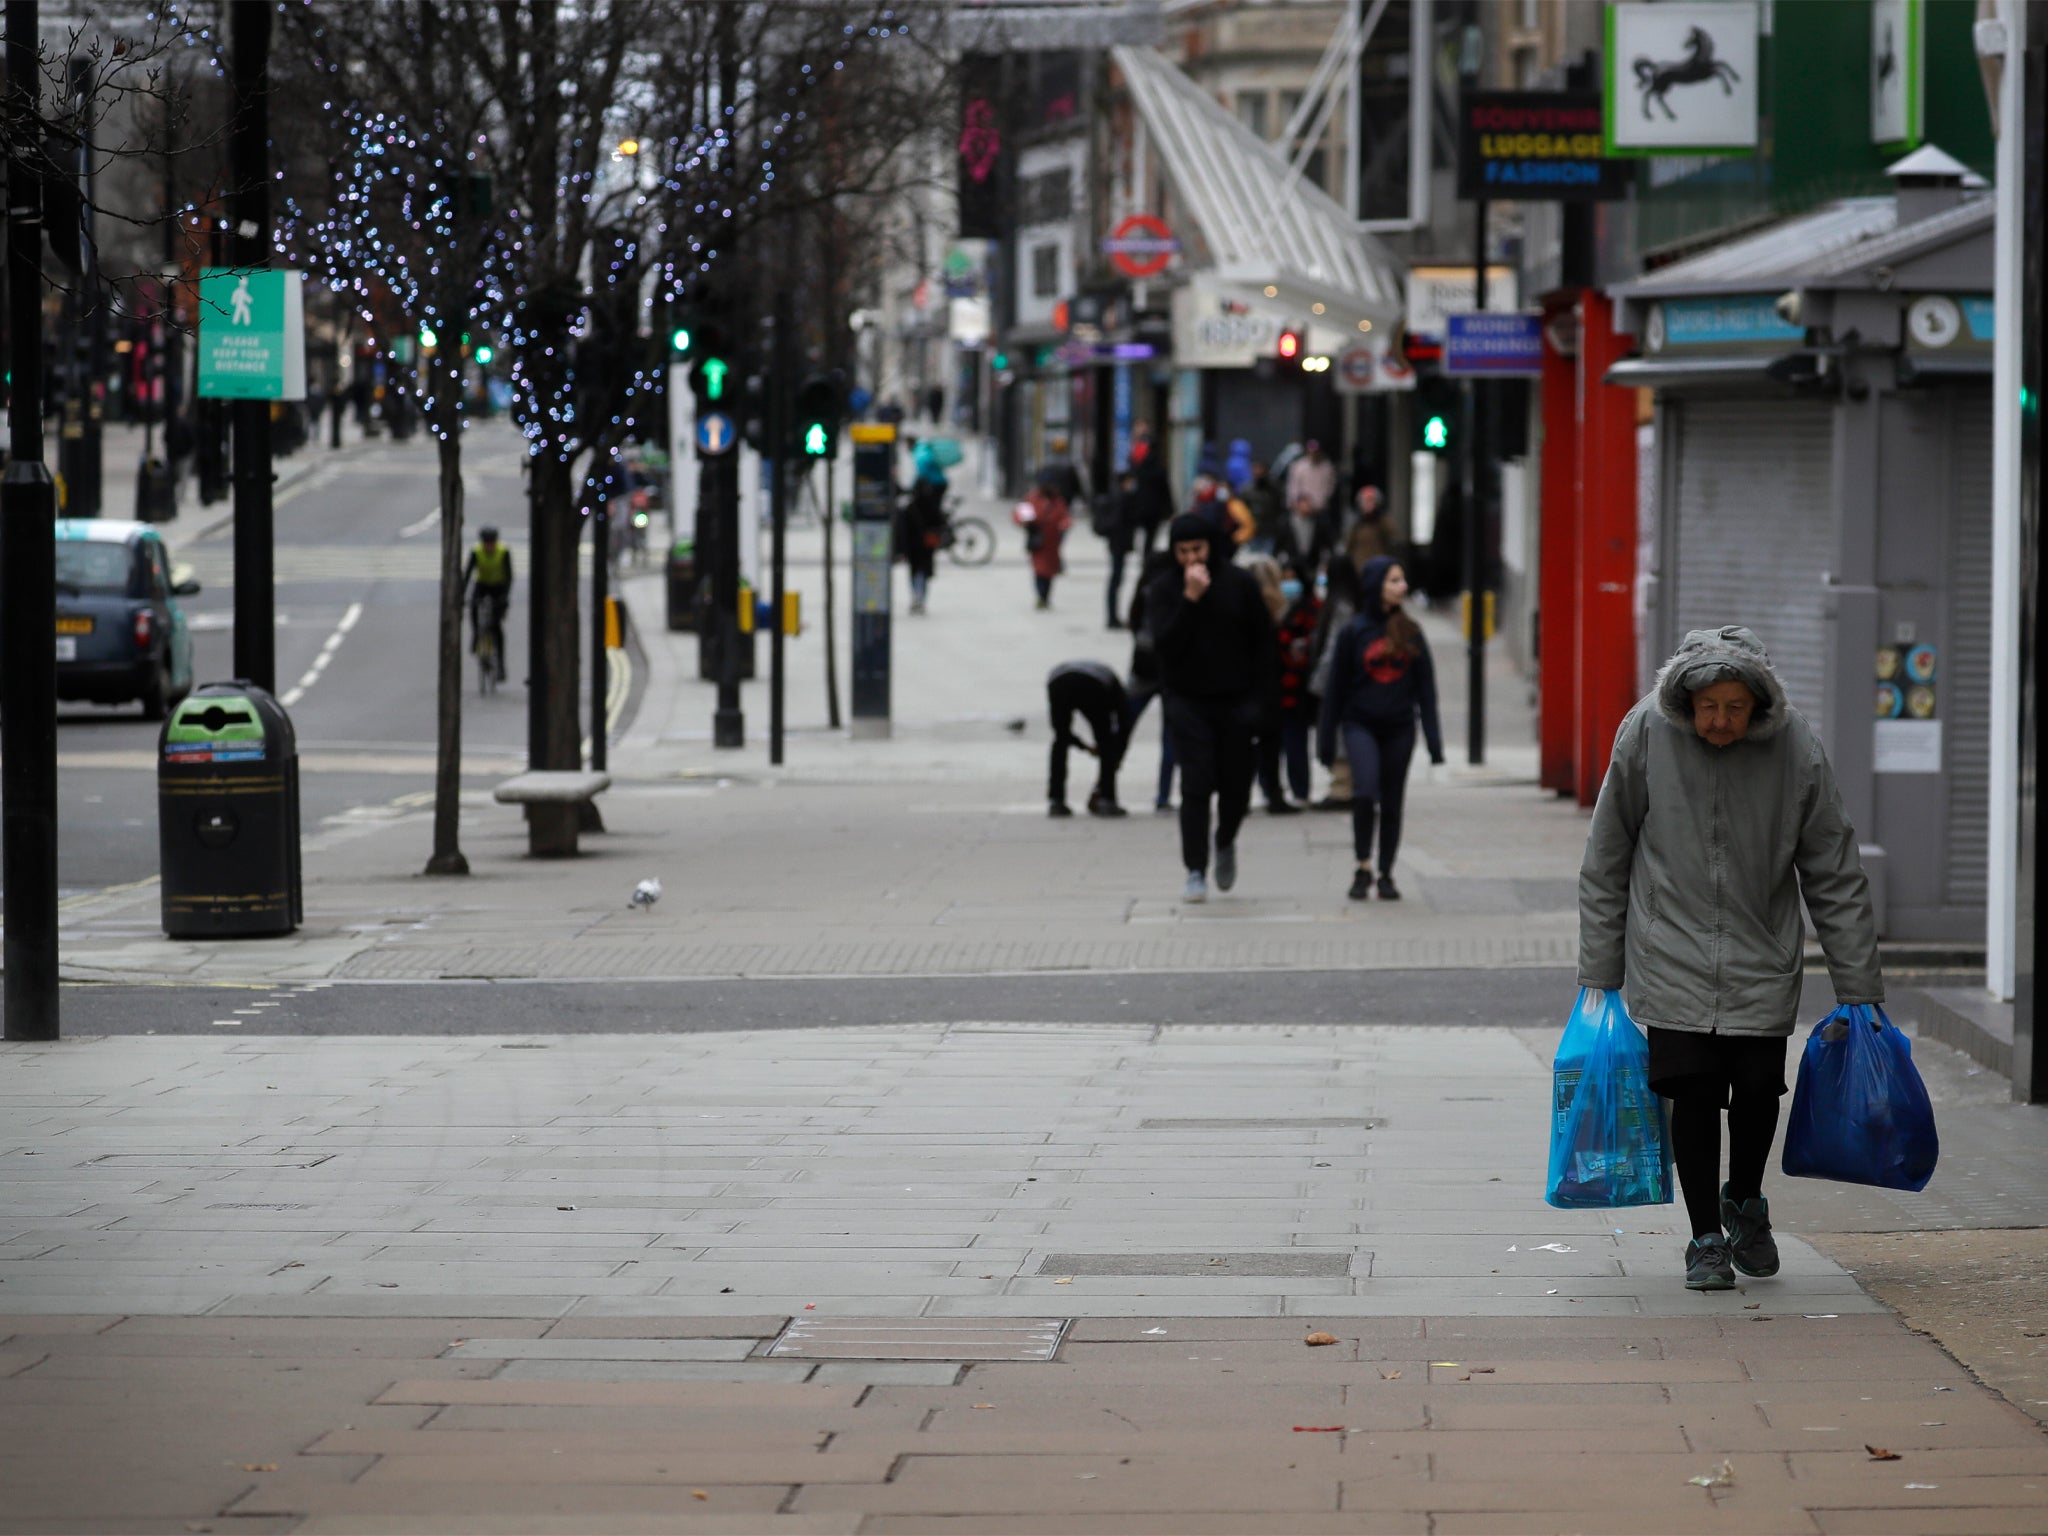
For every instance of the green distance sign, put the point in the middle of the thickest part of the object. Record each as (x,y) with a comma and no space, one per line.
(252,334)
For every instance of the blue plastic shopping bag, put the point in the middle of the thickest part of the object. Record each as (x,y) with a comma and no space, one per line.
(1860,1113)
(1609,1144)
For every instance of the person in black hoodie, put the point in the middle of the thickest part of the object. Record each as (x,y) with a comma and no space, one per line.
(1218,660)
(1381,680)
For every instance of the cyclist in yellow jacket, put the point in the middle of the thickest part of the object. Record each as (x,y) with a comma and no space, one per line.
(487,576)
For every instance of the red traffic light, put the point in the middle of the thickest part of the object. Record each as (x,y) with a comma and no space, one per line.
(1290,345)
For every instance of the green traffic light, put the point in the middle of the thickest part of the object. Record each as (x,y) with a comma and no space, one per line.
(484,354)
(1436,433)
(714,370)
(1000,361)
(816,440)
(679,339)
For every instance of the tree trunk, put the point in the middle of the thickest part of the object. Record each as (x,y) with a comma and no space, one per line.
(554,734)
(448,859)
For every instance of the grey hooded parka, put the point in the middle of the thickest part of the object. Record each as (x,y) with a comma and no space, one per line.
(1689,893)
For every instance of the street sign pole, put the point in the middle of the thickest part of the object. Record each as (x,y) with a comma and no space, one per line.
(28,598)
(780,427)
(249,197)
(874,508)
(1475,522)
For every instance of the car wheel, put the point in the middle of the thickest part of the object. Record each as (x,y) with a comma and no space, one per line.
(156,695)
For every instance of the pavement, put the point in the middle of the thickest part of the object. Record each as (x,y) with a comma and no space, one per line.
(919,1164)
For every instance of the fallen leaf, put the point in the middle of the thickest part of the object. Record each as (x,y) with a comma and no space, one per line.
(1390,1375)
(1069,1280)
(259,1466)
(1879,1453)
(1448,1365)
(1722,1476)
(565,1207)
(1319,1429)
(1751,1306)
(1320,1338)
(699,1493)
(1483,1370)
(1553,1248)
(294,1264)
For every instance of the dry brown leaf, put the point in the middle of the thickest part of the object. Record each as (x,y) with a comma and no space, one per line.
(1879,1453)
(1390,1375)
(1320,1338)
(699,1493)
(1482,1370)
(259,1466)
(984,1405)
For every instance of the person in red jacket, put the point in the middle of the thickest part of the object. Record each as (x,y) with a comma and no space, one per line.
(1044,517)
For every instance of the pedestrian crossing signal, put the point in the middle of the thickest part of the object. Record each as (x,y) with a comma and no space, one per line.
(817,441)
(679,340)
(820,408)
(1436,434)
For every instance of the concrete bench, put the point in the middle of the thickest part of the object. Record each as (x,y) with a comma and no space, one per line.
(556,801)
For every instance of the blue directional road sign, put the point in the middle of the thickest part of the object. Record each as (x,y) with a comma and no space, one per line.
(715,433)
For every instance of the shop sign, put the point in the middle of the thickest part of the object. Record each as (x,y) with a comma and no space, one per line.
(1681,79)
(1937,320)
(1494,346)
(1896,72)
(1741,319)
(1436,293)
(1537,146)
(1212,331)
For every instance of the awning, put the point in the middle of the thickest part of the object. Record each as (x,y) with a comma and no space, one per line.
(1658,372)
(1263,227)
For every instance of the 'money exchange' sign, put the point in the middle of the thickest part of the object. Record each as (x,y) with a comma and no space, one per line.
(1536,146)
(252,334)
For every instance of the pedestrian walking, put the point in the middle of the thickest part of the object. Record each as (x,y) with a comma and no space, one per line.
(1266,571)
(1381,683)
(1151,493)
(1091,691)
(1262,499)
(1113,516)
(1144,684)
(1216,654)
(1368,537)
(1338,594)
(1314,476)
(1719,810)
(921,523)
(1044,518)
(1298,624)
(1304,538)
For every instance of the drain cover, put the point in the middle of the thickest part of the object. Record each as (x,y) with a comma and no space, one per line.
(1337,1123)
(920,1338)
(1278,1265)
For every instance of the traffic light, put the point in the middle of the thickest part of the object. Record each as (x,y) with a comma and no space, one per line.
(484,354)
(1436,432)
(820,408)
(1289,347)
(679,341)
(711,364)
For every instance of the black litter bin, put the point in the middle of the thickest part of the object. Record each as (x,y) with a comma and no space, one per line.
(156,492)
(228,815)
(682,585)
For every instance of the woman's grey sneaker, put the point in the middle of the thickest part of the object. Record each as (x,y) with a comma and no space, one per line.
(1226,866)
(1196,888)
(1750,1243)
(1707,1264)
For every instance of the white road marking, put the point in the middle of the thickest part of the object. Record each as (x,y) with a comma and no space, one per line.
(414,530)
(333,643)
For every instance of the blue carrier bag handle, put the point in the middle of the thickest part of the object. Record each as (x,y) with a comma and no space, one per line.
(1860,1113)
(1609,1143)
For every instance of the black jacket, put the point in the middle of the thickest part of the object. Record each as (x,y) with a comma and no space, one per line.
(1222,646)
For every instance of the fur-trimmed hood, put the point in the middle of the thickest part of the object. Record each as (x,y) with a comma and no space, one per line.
(1709,656)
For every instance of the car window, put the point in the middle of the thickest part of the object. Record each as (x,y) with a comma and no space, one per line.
(93,567)
(159,577)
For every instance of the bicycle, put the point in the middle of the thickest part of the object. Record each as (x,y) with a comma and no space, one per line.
(968,540)
(487,614)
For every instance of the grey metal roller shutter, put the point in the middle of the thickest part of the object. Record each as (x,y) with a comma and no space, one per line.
(1963,678)
(1754,529)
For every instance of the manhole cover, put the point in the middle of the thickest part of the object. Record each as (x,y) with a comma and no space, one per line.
(1300,1123)
(1286,1266)
(920,1338)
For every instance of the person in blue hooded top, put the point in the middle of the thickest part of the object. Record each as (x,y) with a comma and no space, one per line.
(1382,682)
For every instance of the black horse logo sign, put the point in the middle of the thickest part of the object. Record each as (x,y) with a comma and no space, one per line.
(1655,80)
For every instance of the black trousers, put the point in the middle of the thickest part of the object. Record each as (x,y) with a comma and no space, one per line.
(1118,554)
(1379,758)
(1212,738)
(1102,706)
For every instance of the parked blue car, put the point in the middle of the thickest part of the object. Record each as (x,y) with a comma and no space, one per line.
(121,635)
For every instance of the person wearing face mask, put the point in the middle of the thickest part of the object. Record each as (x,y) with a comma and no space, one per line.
(1381,681)
(1718,813)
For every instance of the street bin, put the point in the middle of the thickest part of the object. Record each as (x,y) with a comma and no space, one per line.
(682,585)
(228,815)
(156,491)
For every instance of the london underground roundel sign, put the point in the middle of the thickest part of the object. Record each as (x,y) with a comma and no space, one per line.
(1141,246)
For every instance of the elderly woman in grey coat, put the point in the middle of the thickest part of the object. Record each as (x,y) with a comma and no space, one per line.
(1719,811)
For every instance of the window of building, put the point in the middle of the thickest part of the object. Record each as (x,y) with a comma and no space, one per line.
(1251,111)
(1047,198)
(1290,103)
(1045,271)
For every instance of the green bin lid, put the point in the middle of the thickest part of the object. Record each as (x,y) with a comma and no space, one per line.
(214,717)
